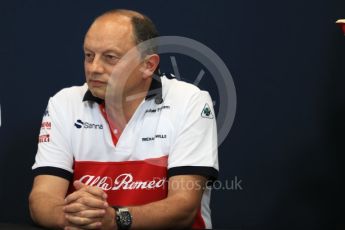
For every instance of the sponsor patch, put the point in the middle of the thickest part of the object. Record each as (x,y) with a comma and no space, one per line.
(207,112)
(44,138)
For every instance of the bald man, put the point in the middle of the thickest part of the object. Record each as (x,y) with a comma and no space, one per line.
(128,149)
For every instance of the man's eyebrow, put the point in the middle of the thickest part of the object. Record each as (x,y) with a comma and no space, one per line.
(106,51)
(113,51)
(87,49)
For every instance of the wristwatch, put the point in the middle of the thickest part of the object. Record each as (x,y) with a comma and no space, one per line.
(123,218)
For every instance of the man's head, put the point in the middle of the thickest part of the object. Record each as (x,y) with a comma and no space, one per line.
(108,40)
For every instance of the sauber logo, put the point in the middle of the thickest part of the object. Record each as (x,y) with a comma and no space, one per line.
(86,125)
(122,182)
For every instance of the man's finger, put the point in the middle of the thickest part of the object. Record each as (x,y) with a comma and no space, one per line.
(74,196)
(95,213)
(77,195)
(72,228)
(79,221)
(96,225)
(98,213)
(85,203)
(74,207)
(82,223)
(85,191)
(96,191)
(93,203)
(78,185)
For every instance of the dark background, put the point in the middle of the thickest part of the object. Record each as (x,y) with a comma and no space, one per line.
(287,59)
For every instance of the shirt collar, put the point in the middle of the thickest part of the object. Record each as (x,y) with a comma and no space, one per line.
(89,97)
(155,91)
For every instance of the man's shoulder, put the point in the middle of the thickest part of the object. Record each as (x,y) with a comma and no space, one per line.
(74,93)
(175,87)
(180,91)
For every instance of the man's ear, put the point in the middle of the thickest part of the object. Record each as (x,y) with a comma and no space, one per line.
(150,64)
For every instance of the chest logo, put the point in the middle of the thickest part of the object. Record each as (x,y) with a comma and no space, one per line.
(157,136)
(87,125)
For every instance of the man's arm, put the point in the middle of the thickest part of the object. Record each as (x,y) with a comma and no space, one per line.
(46,201)
(178,210)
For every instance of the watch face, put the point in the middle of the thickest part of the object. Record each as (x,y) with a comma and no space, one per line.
(124,219)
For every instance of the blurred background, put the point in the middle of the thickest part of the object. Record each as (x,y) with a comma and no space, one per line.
(287,60)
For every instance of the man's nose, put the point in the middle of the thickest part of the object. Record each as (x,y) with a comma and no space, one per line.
(96,66)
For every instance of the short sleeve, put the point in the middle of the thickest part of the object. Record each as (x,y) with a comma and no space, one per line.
(195,149)
(54,156)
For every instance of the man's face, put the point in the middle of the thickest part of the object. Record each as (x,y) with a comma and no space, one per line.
(106,42)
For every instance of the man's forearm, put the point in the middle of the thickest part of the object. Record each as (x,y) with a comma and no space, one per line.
(170,213)
(177,211)
(47,210)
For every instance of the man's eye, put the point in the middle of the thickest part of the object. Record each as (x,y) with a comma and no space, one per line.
(111,57)
(88,56)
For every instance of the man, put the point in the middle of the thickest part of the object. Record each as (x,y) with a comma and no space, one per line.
(128,149)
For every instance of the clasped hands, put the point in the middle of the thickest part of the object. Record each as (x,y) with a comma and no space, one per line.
(87,208)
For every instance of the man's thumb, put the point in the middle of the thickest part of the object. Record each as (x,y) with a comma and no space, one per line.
(78,185)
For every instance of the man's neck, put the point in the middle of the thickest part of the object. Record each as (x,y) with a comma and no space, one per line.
(122,111)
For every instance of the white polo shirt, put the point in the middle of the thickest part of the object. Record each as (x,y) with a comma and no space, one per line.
(172,132)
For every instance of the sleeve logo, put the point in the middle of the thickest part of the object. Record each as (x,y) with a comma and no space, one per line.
(206,112)
(44,138)
(46,125)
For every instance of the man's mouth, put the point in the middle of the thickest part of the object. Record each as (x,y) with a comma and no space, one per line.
(96,83)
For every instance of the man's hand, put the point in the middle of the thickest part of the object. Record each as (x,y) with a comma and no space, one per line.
(87,208)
